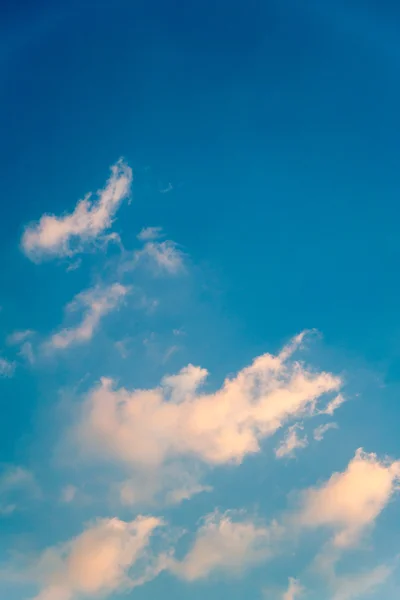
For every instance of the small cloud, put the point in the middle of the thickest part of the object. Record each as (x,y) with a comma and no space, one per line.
(95,304)
(27,352)
(291,443)
(16,484)
(294,590)
(163,257)
(228,543)
(334,405)
(122,347)
(7,368)
(69,234)
(150,233)
(167,189)
(169,485)
(351,587)
(68,494)
(320,431)
(349,502)
(99,561)
(169,352)
(179,332)
(73,266)
(18,337)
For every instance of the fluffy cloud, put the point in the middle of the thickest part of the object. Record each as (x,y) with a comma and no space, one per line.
(291,442)
(350,501)
(98,561)
(294,590)
(95,304)
(147,427)
(226,543)
(66,235)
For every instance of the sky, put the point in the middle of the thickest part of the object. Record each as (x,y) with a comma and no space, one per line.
(199,292)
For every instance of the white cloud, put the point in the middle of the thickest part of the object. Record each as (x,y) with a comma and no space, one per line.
(291,442)
(349,502)
(227,543)
(294,590)
(175,419)
(150,233)
(7,368)
(163,257)
(69,234)
(144,428)
(95,304)
(99,561)
(320,431)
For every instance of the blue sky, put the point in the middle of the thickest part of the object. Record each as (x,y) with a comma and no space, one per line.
(199,356)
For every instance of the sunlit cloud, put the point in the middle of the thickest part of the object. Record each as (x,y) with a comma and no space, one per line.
(350,501)
(71,233)
(93,304)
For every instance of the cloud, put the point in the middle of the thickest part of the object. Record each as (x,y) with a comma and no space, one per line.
(349,502)
(7,368)
(18,337)
(16,484)
(227,543)
(150,233)
(170,485)
(334,405)
(291,442)
(294,590)
(163,257)
(69,234)
(95,304)
(350,587)
(145,428)
(99,561)
(320,431)
(68,493)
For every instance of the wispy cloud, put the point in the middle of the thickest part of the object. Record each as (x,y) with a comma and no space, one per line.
(150,233)
(18,337)
(69,234)
(16,485)
(294,590)
(291,442)
(333,405)
(94,304)
(319,432)
(7,367)
(162,257)
(229,543)
(351,587)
